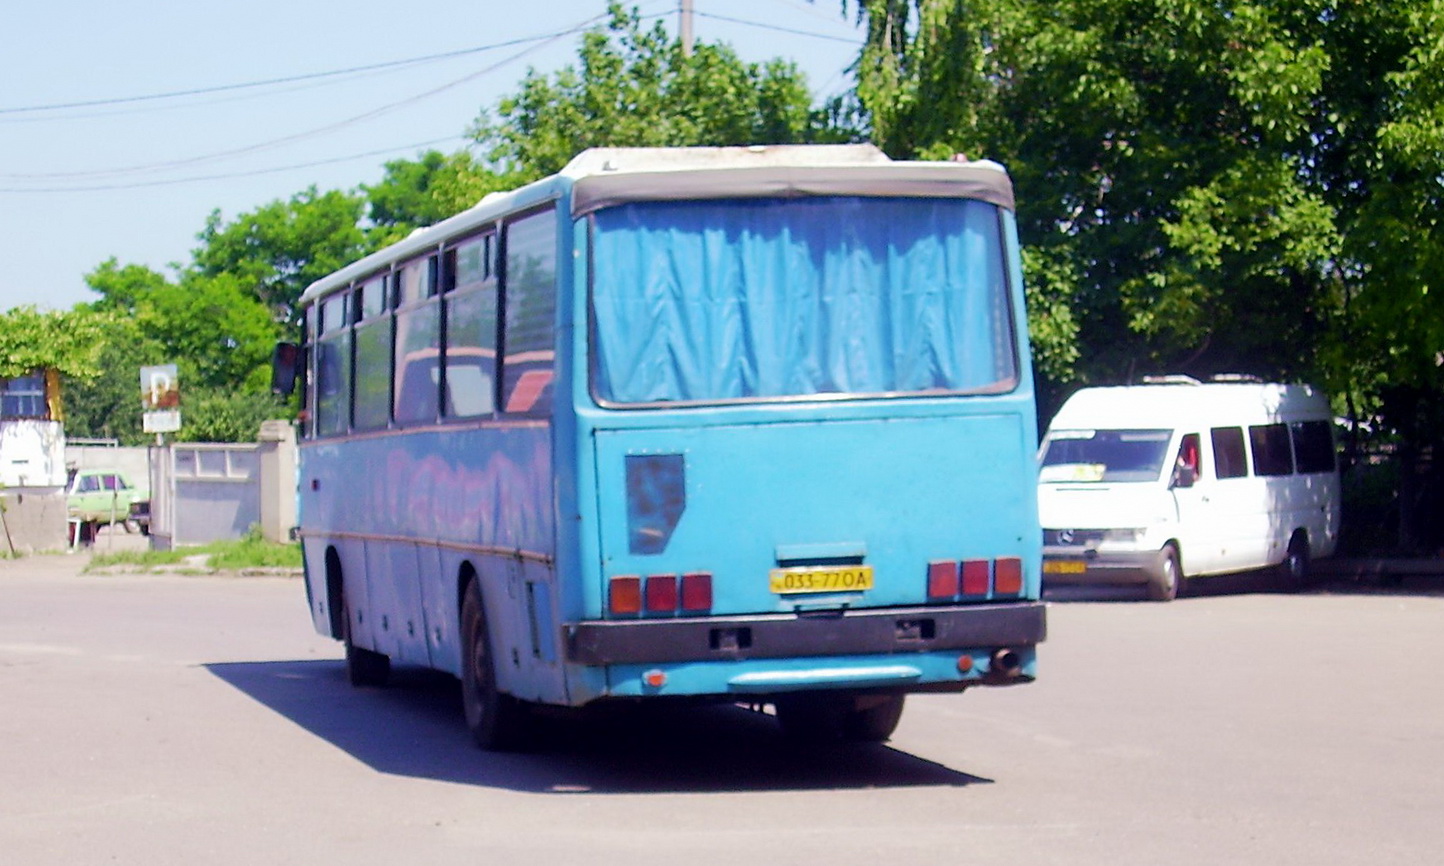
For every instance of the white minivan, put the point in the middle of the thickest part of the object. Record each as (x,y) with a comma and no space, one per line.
(1155,483)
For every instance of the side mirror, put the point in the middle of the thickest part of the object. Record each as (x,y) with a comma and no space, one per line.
(1183,476)
(285,368)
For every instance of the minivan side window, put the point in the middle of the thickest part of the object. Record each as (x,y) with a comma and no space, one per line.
(1313,446)
(1228,459)
(1271,451)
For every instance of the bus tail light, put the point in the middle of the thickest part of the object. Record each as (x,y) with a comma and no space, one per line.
(697,592)
(1008,576)
(942,579)
(662,593)
(624,595)
(975,576)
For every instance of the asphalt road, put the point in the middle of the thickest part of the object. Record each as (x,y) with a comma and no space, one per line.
(182,720)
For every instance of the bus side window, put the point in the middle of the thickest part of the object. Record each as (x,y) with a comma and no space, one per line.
(1228,452)
(372,409)
(333,367)
(418,344)
(470,329)
(529,302)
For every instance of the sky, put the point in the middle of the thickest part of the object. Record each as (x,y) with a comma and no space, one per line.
(124,125)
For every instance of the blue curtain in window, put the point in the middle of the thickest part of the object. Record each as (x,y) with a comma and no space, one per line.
(713,301)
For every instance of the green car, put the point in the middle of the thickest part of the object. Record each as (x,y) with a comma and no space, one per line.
(102,496)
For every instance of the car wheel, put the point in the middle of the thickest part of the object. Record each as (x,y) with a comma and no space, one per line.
(1168,581)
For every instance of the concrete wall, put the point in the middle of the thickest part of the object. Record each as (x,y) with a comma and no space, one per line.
(204,492)
(33,521)
(134,462)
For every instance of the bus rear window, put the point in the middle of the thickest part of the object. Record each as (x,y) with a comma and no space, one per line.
(717,301)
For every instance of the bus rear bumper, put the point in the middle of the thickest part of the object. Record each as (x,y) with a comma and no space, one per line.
(869,632)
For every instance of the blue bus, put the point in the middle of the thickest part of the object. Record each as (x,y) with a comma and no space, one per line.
(747,424)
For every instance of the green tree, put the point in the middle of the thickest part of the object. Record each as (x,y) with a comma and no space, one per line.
(1249,185)
(108,405)
(214,328)
(282,247)
(412,194)
(637,88)
(67,342)
(211,414)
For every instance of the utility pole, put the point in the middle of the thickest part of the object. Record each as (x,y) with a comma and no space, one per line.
(686,28)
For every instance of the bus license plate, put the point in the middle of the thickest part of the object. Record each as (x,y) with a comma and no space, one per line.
(836,578)
(1064,566)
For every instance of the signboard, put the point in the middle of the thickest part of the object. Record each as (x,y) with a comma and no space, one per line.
(160,399)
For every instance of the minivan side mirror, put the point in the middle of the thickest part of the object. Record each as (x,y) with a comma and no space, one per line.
(1183,476)
(285,368)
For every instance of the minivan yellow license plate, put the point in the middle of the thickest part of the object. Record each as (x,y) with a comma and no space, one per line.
(1064,566)
(813,578)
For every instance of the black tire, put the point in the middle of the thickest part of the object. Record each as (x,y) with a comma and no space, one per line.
(1294,570)
(364,667)
(1168,582)
(811,718)
(827,718)
(875,720)
(498,722)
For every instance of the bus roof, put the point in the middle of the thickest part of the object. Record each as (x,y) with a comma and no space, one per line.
(602,177)
(608,176)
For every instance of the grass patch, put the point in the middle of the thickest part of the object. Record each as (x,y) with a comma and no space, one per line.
(249,551)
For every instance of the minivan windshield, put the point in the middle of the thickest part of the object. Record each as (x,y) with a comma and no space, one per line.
(1104,455)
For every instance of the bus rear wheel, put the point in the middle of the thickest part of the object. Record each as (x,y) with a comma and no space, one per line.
(821,717)
(497,721)
(364,667)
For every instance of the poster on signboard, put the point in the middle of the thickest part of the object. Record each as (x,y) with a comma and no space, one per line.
(160,399)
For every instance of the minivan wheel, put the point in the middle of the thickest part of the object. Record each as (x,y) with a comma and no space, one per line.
(1294,570)
(1166,583)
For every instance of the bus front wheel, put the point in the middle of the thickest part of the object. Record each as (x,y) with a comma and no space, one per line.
(497,721)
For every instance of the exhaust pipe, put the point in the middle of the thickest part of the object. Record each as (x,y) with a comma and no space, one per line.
(1005,663)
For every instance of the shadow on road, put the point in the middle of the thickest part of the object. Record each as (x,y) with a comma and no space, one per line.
(413,727)
(1259,583)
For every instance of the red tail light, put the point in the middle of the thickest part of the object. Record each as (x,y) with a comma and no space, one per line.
(1008,578)
(624,595)
(696,592)
(942,579)
(975,577)
(662,593)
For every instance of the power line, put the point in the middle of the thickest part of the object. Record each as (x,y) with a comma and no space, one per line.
(291,79)
(776,28)
(300,136)
(230,175)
